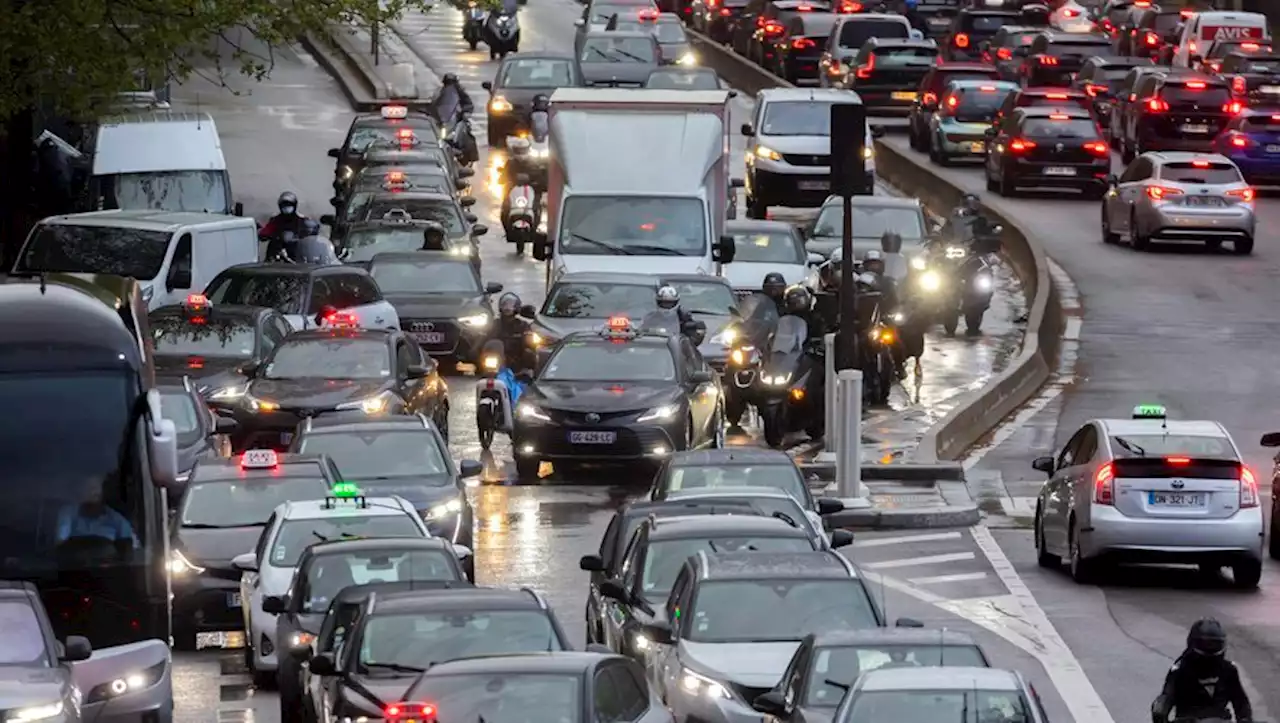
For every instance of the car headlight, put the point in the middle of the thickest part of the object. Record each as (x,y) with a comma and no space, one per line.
(664,412)
(475,321)
(776,380)
(930,281)
(301,639)
(373,405)
(919,263)
(259,405)
(499,105)
(698,684)
(33,713)
(687,59)
(641,642)
(130,682)
(445,509)
(345,173)
(180,566)
(768,153)
(460,250)
(226,393)
(867,153)
(528,411)
(726,337)
(147,293)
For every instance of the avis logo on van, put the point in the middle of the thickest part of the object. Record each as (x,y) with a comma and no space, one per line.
(1230,33)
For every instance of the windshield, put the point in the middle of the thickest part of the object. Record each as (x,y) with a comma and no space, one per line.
(872,222)
(705,298)
(630,225)
(988,24)
(664,559)
(282,292)
(939,706)
(597,301)
(790,334)
(365,243)
(537,73)
(782,477)
(627,49)
(329,574)
(335,358)
(1207,173)
(797,118)
(442,211)
(593,361)
(1159,445)
(758,611)
(429,276)
(96,250)
(365,456)
(197,191)
(976,104)
(178,407)
(683,80)
(296,535)
(246,502)
(421,639)
(1049,128)
(775,247)
(845,664)
(216,337)
(670,33)
(503,697)
(21,637)
(383,131)
(854,35)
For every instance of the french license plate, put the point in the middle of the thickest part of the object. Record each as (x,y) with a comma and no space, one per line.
(977,147)
(1059,171)
(1213,201)
(428,337)
(233,600)
(286,438)
(1194,128)
(902,95)
(813,185)
(1273,148)
(1175,499)
(1269,89)
(593,437)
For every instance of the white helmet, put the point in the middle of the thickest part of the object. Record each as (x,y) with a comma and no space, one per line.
(668,297)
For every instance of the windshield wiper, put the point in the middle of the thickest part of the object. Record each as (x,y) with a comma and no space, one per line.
(601,244)
(1130,447)
(837,684)
(658,250)
(396,667)
(602,54)
(625,54)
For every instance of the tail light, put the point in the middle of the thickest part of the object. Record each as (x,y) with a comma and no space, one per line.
(1213,65)
(1153,39)
(1104,485)
(961,40)
(725,12)
(851,7)
(1157,105)
(929,98)
(1098,148)
(760,21)
(1244,194)
(649,14)
(1021,145)
(1056,96)
(1004,53)
(952,102)
(803,44)
(1048,60)
(864,72)
(772,28)
(1234,107)
(1070,13)
(1160,193)
(1196,85)
(1248,488)
(804,8)
(1177,461)
(1240,140)
(1093,89)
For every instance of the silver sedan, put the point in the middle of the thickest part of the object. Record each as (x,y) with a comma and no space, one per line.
(1178,196)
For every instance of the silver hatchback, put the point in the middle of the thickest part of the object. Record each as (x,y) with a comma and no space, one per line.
(1150,490)
(1176,196)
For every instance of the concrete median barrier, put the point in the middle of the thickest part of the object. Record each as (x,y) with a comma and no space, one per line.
(981,411)
(344,53)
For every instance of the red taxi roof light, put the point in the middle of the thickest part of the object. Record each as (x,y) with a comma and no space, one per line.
(648,14)
(410,710)
(405,134)
(340,319)
(1059,116)
(1200,164)
(1048,60)
(259,459)
(1070,12)
(851,7)
(197,300)
(986,89)
(1056,96)
(395,112)
(725,12)
(619,323)
(395,177)
(962,40)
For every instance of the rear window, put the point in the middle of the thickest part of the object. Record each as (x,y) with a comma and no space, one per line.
(988,23)
(1021,40)
(1092,47)
(905,57)
(977,104)
(1266,66)
(942,79)
(855,33)
(1262,123)
(1210,95)
(1050,128)
(1158,445)
(816,24)
(1210,173)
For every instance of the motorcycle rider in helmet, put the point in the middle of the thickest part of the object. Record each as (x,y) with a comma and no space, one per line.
(513,330)
(287,220)
(668,298)
(1202,682)
(451,100)
(829,273)
(774,286)
(434,237)
(799,302)
(538,116)
(873,264)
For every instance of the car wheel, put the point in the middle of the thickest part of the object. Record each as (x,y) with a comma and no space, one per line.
(1006,187)
(442,421)
(1273,545)
(527,469)
(991,182)
(1083,569)
(1243,247)
(1043,557)
(1108,236)
(1247,573)
(1136,239)
(495,138)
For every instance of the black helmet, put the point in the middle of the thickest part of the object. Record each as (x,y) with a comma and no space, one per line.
(541,102)
(1207,638)
(971,202)
(508,305)
(774,284)
(449,79)
(287,203)
(891,242)
(797,299)
(434,237)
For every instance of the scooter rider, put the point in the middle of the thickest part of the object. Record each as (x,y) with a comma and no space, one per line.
(668,298)
(288,220)
(434,237)
(512,331)
(539,114)
(799,302)
(1202,683)
(451,100)
(774,287)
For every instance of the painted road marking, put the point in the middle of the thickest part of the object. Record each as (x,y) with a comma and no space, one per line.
(938,579)
(906,539)
(916,561)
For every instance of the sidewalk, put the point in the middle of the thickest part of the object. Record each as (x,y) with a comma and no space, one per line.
(369,82)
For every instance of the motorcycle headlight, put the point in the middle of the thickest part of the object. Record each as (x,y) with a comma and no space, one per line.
(540,152)
(373,405)
(528,411)
(130,682)
(666,411)
(301,639)
(698,684)
(475,321)
(919,263)
(776,380)
(743,355)
(930,281)
(956,252)
(982,282)
(259,405)
(491,363)
(180,566)
(726,337)
(687,59)
(444,509)
(464,250)
(226,393)
(33,713)
(641,642)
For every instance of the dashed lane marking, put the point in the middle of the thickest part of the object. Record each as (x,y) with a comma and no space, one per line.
(917,561)
(941,579)
(906,539)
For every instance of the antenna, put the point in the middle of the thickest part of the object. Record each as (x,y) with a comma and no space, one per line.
(884,603)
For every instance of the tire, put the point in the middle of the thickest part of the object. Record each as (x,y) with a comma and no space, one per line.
(991,182)
(756,209)
(1043,557)
(1136,239)
(1083,570)
(441,418)
(973,320)
(290,695)
(1243,247)
(494,140)
(771,420)
(484,427)
(520,248)
(473,44)
(1246,574)
(184,638)
(950,321)
(1006,187)
(1273,544)
(264,680)
(1109,237)
(734,408)
(527,469)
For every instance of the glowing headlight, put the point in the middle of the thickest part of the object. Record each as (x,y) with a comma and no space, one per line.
(697,684)
(34,713)
(742,355)
(227,393)
(687,59)
(726,337)
(445,509)
(930,281)
(491,363)
(130,682)
(956,252)
(499,105)
(640,642)
(521,202)
(982,282)
(475,321)
(346,173)
(768,153)
(180,565)
(259,405)
(666,411)
(372,405)
(867,153)
(460,250)
(776,380)
(919,263)
(537,339)
(528,411)
(301,640)
(540,152)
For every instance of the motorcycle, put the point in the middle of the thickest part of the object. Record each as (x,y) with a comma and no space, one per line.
(970,282)
(789,386)
(472,24)
(501,34)
(461,140)
(497,394)
(521,216)
(529,154)
(876,357)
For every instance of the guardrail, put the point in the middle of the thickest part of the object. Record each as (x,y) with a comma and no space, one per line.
(981,411)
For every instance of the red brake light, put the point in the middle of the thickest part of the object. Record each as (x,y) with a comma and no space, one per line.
(1157,105)
(1093,89)
(851,7)
(1187,13)
(1200,164)
(1098,148)
(1153,39)
(1048,60)
(802,43)
(1178,461)
(1234,107)
(1239,85)
(804,8)
(395,177)
(986,89)
(1056,96)
(1021,145)
(340,319)
(195,362)
(1244,194)
(1196,85)
(864,72)
(725,12)
(1070,12)
(952,101)
(1240,141)
(759,21)
(420,712)
(404,134)
(962,40)
(1142,3)
(1059,116)
(1104,488)
(772,28)
(648,14)
(1249,46)
(929,98)
(1004,53)
(1158,193)
(1248,488)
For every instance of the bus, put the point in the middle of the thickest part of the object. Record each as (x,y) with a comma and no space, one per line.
(89,460)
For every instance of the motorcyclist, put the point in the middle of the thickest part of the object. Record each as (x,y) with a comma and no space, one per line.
(512,330)
(451,100)
(1202,682)
(434,237)
(668,299)
(829,273)
(799,302)
(774,287)
(538,116)
(287,220)
(965,222)
(873,262)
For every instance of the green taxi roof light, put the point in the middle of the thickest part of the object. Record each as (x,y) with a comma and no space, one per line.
(345,490)
(1149,411)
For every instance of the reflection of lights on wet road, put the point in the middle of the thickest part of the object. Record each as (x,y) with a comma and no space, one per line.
(508,532)
(493,175)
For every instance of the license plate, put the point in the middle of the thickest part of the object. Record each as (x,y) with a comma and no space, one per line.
(1204,201)
(904,96)
(1273,149)
(813,185)
(1175,499)
(427,337)
(1269,89)
(233,600)
(286,438)
(1059,171)
(977,147)
(1194,128)
(593,437)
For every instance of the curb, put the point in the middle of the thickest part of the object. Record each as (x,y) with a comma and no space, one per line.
(911,519)
(357,89)
(978,412)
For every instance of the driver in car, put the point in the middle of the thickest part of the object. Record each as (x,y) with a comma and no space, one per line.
(93,518)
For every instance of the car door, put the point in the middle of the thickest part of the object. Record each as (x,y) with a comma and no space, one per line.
(629,692)
(1058,499)
(274,330)
(1120,103)
(699,406)
(663,668)
(617,615)
(178,280)
(249,580)
(1080,476)
(1144,91)
(1133,183)
(409,388)
(359,294)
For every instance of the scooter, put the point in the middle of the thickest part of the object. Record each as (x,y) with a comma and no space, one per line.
(501,34)
(969,280)
(473,24)
(790,384)
(520,216)
(461,140)
(875,353)
(496,395)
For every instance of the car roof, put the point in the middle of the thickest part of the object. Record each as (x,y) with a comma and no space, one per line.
(536,55)
(286,269)
(461,598)
(980,82)
(416,194)
(693,279)
(878,202)
(338,547)
(1184,427)
(731,456)
(1049,90)
(359,422)
(700,526)
(901,636)
(963,66)
(1054,35)
(763,225)
(607,277)
(412,256)
(213,311)
(691,507)
(953,678)
(833,95)
(772,565)
(619,34)
(860,17)
(1044,112)
(730,491)
(346,333)
(228,469)
(562,661)
(901,43)
(375,507)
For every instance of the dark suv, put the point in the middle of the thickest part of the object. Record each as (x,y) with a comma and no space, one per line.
(972,28)
(1176,111)
(1047,148)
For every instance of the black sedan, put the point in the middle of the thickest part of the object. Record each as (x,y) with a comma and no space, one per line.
(584,301)
(519,80)
(377,372)
(384,155)
(619,59)
(618,395)
(1047,148)
(413,204)
(201,433)
(390,125)
(441,301)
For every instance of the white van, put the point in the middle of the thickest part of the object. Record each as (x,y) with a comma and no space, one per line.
(161,160)
(1204,29)
(171,254)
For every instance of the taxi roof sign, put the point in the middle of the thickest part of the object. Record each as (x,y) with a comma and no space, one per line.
(619,323)
(395,112)
(196,301)
(260,459)
(339,320)
(1149,411)
(346,490)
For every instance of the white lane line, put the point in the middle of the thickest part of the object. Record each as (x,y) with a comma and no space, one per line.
(906,539)
(915,561)
(1040,638)
(939,579)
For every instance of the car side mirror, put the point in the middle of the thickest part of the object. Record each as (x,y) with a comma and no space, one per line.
(829,505)
(335,153)
(1043,464)
(225,425)
(1112,180)
(462,552)
(877,131)
(907,623)
(416,371)
(471,218)
(814,259)
(1270,439)
(248,562)
(614,590)
(770,703)
(238,209)
(467,201)
(747,130)
(725,250)
(493,287)
(329,219)
(487,86)
(591,563)
(579,23)
(701,376)
(275,604)
(322,664)
(841,538)
(250,368)
(75,649)
(479,229)
(469,468)
(460,185)
(659,632)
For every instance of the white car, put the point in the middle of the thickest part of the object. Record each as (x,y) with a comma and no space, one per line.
(1071,17)
(294,526)
(762,247)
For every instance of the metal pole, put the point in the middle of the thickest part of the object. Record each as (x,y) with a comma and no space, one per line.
(831,420)
(849,449)
(848,294)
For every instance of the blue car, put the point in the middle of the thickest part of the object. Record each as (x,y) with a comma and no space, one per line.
(1252,141)
(958,128)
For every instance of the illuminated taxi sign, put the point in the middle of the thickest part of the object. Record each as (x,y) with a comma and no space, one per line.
(196,307)
(345,493)
(339,320)
(409,713)
(395,112)
(396,181)
(260,459)
(1149,411)
(346,490)
(405,137)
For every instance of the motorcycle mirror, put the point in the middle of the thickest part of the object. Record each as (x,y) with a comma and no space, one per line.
(238,209)
(335,202)
(471,218)
(528,311)
(467,201)
(579,22)
(328,220)
(487,86)
(479,229)
(335,153)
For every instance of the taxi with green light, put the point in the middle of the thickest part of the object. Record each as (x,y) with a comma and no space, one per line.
(1150,489)
(268,570)
(958,128)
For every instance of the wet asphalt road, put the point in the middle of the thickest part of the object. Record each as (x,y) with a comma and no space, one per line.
(275,134)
